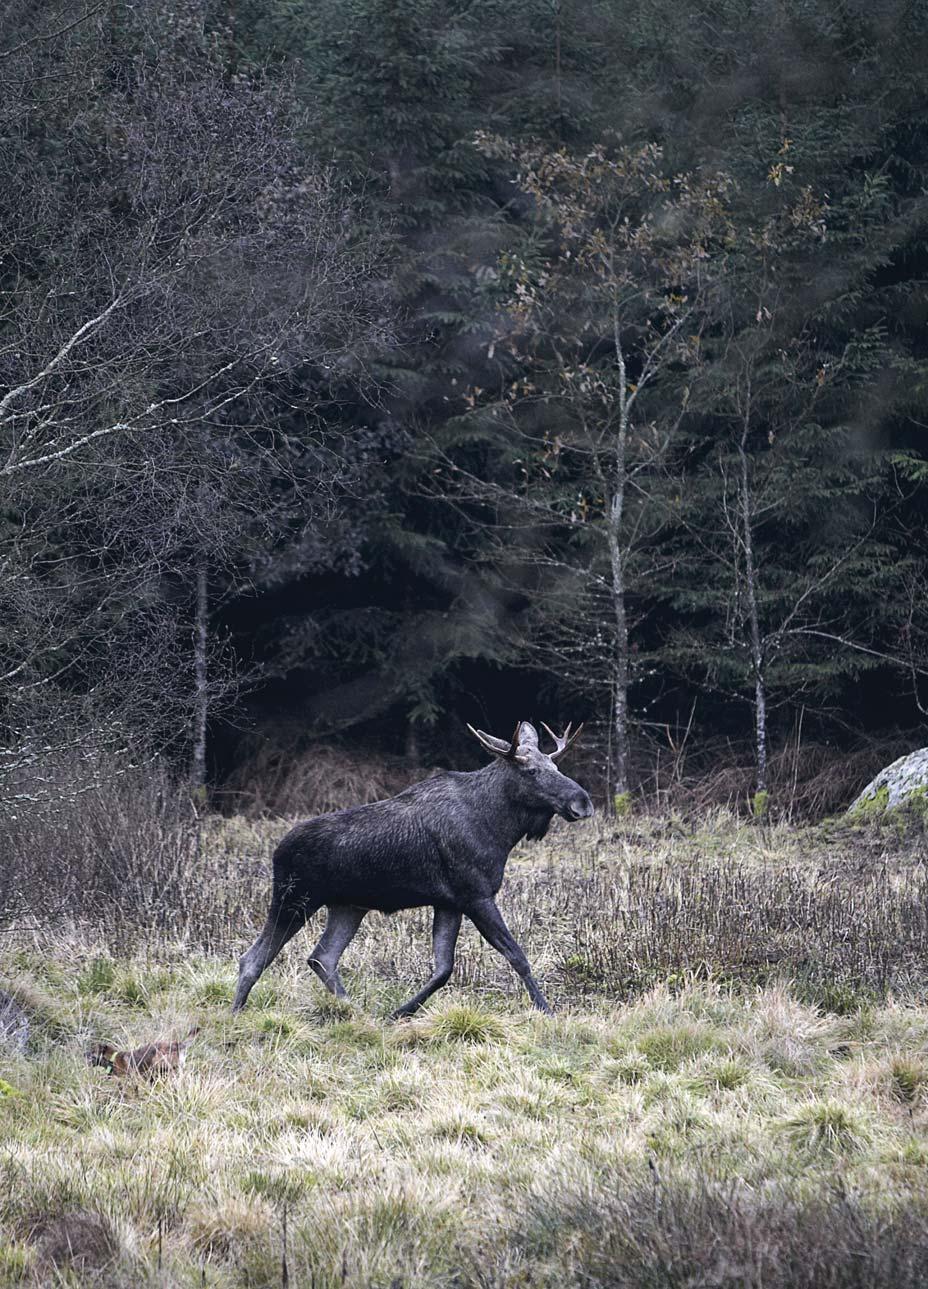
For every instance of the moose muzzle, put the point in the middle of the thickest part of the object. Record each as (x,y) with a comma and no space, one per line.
(579,807)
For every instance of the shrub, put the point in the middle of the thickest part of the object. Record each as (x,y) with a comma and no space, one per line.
(675,1234)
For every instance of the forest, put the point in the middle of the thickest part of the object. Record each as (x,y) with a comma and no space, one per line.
(375,367)
(378,373)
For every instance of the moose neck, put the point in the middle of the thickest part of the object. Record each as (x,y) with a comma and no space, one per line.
(509,818)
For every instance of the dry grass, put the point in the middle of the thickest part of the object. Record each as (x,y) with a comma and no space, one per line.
(603,909)
(672,773)
(734,1091)
(286,781)
(806,779)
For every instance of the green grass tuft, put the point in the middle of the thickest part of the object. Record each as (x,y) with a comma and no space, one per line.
(909,1079)
(723,1076)
(97,976)
(465,1023)
(667,1047)
(131,988)
(275,1026)
(214,993)
(826,1127)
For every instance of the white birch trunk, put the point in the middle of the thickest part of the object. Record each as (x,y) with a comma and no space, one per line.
(617,570)
(201,678)
(750,587)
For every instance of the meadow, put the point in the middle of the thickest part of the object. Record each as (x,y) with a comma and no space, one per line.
(733,1092)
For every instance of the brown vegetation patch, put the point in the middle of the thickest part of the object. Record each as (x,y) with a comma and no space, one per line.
(285,782)
(677,1236)
(82,1240)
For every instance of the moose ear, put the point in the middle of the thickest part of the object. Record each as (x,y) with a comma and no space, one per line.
(526,736)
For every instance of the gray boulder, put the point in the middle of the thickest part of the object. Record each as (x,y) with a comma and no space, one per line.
(894,786)
(14,1024)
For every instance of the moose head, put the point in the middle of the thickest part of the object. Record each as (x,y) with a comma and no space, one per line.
(536,780)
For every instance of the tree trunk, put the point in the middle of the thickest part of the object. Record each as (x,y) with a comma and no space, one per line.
(201,691)
(760,727)
(750,587)
(617,570)
(557,67)
(619,666)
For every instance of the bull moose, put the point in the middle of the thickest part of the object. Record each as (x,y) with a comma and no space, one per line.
(443,842)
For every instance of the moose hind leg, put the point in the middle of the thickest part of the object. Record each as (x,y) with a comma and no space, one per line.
(343,922)
(488,920)
(445,928)
(282,925)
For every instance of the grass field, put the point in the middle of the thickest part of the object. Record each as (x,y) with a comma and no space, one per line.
(734,1090)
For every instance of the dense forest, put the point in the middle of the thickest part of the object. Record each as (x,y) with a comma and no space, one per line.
(372,367)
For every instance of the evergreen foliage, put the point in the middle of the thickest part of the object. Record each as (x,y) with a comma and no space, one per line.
(410,526)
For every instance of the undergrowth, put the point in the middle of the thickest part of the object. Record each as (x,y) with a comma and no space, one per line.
(734,1090)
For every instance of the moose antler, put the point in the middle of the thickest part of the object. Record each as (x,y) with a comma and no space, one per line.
(524,735)
(497,746)
(562,741)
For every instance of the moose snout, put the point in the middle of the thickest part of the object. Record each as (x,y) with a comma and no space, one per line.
(579,807)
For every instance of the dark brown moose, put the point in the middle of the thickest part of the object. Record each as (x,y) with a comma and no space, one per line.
(442,842)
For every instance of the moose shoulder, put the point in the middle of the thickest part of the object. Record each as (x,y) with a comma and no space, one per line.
(443,842)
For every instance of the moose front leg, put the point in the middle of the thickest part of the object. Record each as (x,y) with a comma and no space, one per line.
(445,928)
(282,925)
(488,920)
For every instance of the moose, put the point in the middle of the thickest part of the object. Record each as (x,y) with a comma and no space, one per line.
(443,842)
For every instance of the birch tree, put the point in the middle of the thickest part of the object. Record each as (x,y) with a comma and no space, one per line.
(602,307)
(180,298)
(781,532)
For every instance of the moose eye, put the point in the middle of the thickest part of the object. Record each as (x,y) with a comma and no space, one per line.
(533,770)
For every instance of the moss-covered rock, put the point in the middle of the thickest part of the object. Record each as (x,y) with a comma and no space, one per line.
(903,783)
